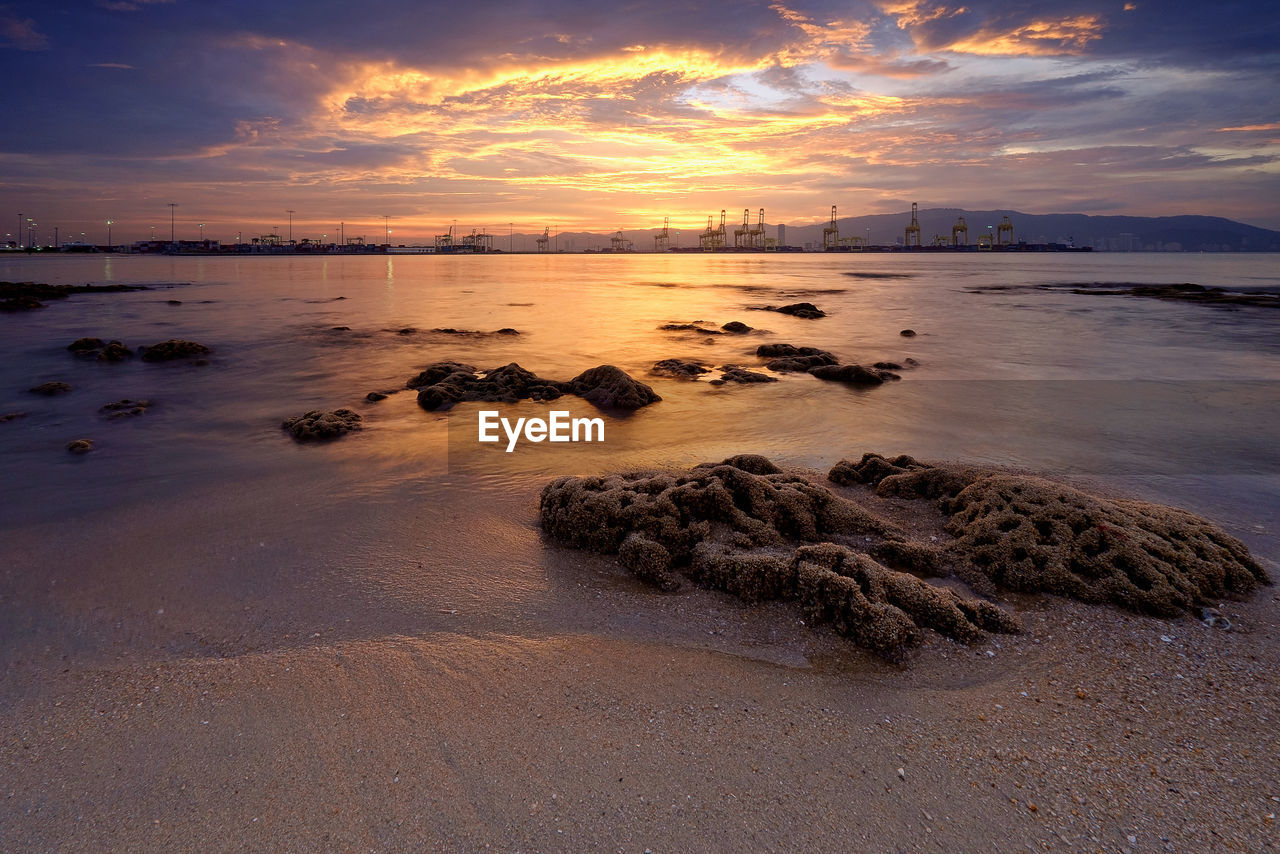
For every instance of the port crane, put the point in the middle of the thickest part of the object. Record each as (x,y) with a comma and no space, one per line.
(831,234)
(913,228)
(1004,232)
(757,237)
(544,240)
(957,230)
(742,236)
(713,238)
(619,243)
(662,240)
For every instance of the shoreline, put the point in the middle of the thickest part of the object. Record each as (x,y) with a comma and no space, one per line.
(370,643)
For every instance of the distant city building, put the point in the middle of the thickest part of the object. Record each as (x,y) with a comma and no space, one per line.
(782,234)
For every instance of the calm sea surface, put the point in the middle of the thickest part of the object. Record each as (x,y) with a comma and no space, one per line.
(1170,401)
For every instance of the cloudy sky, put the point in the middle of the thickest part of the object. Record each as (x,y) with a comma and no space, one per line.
(605,115)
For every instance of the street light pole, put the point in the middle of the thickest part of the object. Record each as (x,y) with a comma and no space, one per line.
(172,209)
(386,229)
(109,247)
(290,212)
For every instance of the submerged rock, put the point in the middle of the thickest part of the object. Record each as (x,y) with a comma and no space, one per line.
(86,345)
(689,327)
(125,408)
(449,330)
(802,309)
(20,302)
(679,369)
(26,296)
(852,374)
(173,349)
(114,352)
(105,351)
(739,374)
(318,424)
(50,389)
(375,396)
(11,416)
(1188,292)
(908,333)
(736,327)
(806,310)
(80,446)
(787,358)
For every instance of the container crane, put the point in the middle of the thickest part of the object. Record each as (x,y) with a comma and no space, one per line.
(757,234)
(1004,232)
(662,240)
(544,240)
(960,228)
(742,236)
(831,234)
(913,228)
(619,243)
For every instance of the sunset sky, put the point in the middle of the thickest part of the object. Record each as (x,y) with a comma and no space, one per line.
(595,116)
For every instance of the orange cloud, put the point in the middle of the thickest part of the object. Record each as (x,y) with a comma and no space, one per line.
(1068,36)
(1251,128)
(1040,37)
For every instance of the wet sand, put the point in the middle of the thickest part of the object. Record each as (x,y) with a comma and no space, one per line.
(313,713)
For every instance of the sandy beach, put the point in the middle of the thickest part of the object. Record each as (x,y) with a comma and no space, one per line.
(218,637)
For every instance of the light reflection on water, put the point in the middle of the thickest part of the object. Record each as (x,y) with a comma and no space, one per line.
(1099,386)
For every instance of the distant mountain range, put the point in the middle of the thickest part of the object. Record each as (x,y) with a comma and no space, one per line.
(1103,233)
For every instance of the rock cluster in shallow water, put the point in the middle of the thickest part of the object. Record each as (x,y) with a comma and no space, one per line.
(319,425)
(444,384)
(174,348)
(104,351)
(823,364)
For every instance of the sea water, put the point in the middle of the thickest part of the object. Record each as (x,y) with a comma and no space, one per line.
(204,499)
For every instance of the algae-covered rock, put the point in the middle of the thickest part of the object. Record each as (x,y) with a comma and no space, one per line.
(746,528)
(317,424)
(789,358)
(173,349)
(677,509)
(114,352)
(126,408)
(86,345)
(679,369)
(611,388)
(739,374)
(1035,535)
(851,374)
(648,561)
(49,389)
(806,310)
